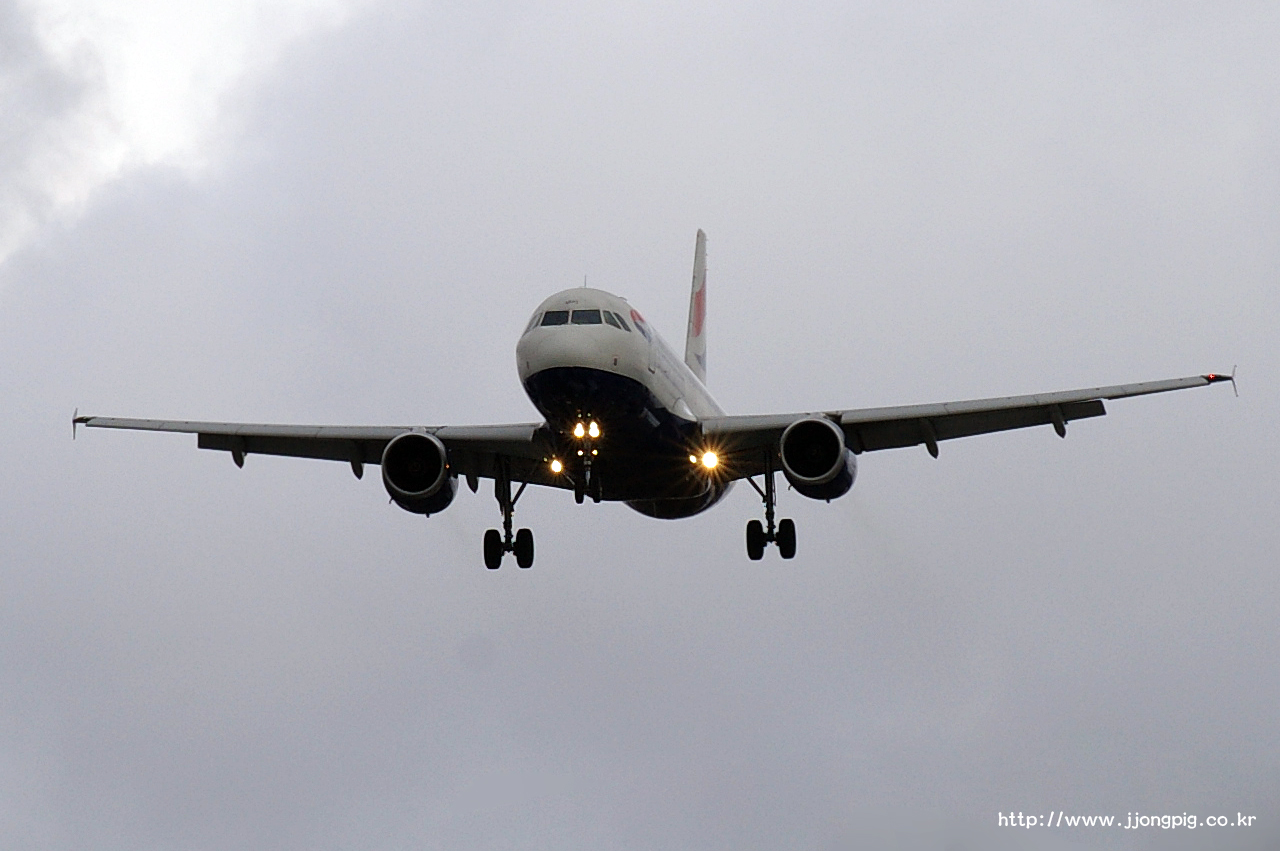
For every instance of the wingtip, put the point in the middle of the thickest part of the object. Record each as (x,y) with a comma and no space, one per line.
(78,419)
(1215,377)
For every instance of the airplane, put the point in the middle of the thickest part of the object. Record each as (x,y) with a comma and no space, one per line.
(625,419)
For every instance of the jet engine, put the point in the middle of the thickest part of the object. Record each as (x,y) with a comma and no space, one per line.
(815,459)
(415,471)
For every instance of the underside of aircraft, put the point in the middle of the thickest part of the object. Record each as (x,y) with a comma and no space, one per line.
(625,419)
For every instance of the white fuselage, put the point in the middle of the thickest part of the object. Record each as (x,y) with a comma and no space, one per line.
(586,356)
(637,352)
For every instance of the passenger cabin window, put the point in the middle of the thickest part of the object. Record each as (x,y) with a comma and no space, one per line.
(608,317)
(622,322)
(586,317)
(555,317)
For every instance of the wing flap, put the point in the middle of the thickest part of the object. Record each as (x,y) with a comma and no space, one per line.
(357,450)
(912,431)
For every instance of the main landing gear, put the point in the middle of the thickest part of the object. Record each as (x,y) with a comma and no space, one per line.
(497,544)
(759,535)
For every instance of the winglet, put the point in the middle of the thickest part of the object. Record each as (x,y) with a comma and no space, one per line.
(695,345)
(77,420)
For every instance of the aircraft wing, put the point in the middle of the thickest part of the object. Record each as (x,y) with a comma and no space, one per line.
(474,451)
(739,440)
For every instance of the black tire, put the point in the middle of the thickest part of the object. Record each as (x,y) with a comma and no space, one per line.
(524,548)
(755,540)
(579,492)
(597,493)
(492,549)
(787,538)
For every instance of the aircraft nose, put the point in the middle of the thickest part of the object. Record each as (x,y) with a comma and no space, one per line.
(566,345)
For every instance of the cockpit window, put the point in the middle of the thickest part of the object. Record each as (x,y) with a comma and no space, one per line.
(533,323)
(608,317)
(555,317)
(622,322)
(586,317)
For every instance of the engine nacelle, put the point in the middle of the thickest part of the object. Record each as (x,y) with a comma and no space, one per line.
(415,471)
(815,459)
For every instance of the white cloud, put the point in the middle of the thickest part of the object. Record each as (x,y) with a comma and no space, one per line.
(138,82)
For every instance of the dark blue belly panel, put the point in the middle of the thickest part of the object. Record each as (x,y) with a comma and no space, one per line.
(643,448)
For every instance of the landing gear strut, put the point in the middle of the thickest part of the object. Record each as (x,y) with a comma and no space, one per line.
(497,544)
(758,535)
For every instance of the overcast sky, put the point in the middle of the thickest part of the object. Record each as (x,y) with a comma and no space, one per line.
(340,212)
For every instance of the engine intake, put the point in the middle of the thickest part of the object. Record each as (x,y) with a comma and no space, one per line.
(415,472)
(815,459)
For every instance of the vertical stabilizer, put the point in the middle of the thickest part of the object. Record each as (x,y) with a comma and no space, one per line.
(695,343)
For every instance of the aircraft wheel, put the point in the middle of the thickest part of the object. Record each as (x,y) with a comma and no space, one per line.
(787,538)
(597,492)
(579,492)
(492,549)
(524,548)
(755,540)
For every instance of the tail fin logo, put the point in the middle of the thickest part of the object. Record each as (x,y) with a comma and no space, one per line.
(699,310)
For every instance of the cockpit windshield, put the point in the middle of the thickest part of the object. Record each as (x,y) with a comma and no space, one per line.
(591,316)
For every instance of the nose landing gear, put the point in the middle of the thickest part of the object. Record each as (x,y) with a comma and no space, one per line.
(584,486)
(760,535)
(497,544)
(587,482)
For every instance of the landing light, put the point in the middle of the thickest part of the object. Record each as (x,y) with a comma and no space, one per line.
(579,430)
(709,460)
(693,459)
(556,466)
(593,430)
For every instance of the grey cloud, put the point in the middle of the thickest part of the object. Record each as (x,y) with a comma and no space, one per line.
(38,100)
